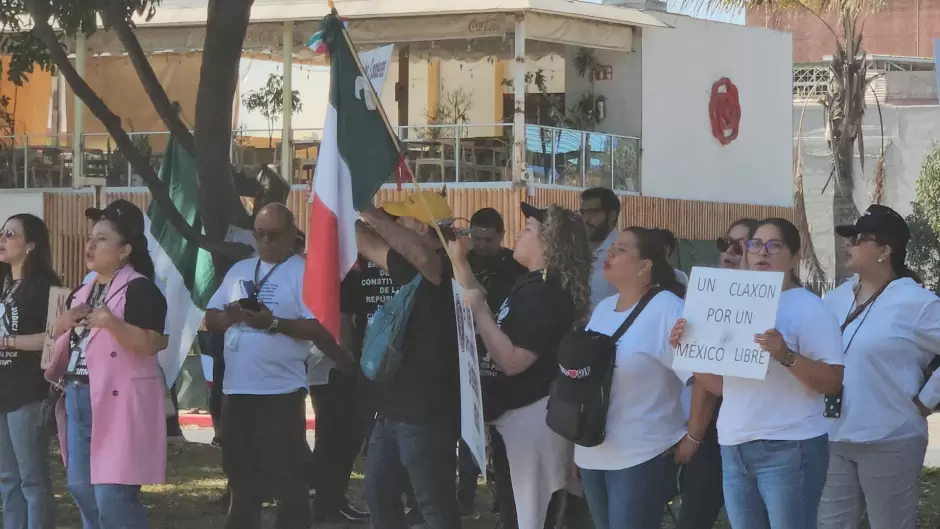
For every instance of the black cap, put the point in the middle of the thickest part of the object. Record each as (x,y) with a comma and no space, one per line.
(880,221)
(531,211)
(127,218)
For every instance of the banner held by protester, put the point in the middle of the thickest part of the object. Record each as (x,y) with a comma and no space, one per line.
(472,428)
(724,309)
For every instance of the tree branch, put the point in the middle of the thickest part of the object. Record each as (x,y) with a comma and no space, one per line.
(112,124)
(115,18)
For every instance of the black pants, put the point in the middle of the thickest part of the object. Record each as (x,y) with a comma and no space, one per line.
(467,475)
(265,438)
(700,485)
(339,441)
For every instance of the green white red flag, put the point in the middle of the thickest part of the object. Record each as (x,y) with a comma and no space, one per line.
(358,153)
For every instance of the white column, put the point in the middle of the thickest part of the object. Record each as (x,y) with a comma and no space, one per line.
(519,89)
(287,151)
(78,116)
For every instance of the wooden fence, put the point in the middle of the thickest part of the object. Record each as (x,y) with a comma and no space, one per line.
(693,220)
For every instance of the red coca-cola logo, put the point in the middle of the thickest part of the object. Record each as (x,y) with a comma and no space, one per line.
(724,110)
(483,26)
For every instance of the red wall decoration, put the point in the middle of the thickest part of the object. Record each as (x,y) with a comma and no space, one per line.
(724,110)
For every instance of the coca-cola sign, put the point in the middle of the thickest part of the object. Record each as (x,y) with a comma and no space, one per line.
(483,26)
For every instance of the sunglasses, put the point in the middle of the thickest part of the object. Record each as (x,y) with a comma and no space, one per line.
(729,245)
(773,246)
(270,236)
(861,238)
(8,233)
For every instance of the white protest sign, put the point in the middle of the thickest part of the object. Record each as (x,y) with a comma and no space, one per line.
(375,64)
(471,399)
(724,309)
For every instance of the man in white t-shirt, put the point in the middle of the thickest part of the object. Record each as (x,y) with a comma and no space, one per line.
(600,209)
(268,331)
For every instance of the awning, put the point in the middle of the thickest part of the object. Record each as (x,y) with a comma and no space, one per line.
(179,25)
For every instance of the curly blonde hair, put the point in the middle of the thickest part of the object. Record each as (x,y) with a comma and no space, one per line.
(568,254)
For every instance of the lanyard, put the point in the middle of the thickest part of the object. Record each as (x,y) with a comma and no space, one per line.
(258,284)
(9,288)
(853,314)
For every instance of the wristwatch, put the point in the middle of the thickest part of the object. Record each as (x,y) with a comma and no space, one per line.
(275,323)
(790,359)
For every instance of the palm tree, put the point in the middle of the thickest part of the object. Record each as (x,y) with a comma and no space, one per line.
(844,101)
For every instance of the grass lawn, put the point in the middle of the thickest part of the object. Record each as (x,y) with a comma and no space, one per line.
(189,499)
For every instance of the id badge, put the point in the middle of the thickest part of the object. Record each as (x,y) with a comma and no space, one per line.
(74,355)
(231,337)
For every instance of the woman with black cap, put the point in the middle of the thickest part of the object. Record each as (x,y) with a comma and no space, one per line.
(891,333)
(522,349)
(113,430)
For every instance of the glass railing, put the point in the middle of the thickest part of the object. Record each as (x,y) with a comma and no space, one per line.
(582,159)
(469,152)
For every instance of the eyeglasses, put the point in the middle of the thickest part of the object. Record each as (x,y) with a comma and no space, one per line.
(269,236)
(8,233)
(861,238)
(773,246)
(729,245)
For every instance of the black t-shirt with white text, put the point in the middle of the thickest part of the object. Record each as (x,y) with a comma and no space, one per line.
(23,314)
(426,386)
(537,314)
(144,307)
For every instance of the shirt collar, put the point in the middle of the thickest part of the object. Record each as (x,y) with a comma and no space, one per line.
(608,242)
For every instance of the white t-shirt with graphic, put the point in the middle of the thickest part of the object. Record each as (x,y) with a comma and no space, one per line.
(645,417)
(257,362)
(780,407)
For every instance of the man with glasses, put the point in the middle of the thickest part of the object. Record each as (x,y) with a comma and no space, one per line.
(600,209)
(267,335)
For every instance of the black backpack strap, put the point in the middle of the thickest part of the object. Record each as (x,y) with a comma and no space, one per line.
(644,301)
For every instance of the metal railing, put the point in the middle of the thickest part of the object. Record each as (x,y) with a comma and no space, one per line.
(436,153)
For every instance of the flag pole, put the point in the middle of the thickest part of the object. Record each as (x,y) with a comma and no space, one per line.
(388,126)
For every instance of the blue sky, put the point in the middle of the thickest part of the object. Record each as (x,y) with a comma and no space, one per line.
(675,6)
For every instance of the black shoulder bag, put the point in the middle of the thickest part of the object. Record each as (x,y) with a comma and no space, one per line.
(580,394)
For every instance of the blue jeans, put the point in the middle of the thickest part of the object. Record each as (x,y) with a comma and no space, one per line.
(631,498)
(429,456)
(25,486)
(101,506)
(775,484)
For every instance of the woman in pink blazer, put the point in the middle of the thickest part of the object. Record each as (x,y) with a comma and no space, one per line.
(112,430)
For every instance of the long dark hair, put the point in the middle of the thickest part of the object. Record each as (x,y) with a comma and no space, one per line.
(38,272)
(898,258)
(649,245)
(140,258)
(789,234)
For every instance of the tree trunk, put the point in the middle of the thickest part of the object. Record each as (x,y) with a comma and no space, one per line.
(844,210)
(225,34)
(114,16)
(112,124)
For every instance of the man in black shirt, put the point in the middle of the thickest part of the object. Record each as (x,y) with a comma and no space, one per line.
(497,271)
(417,411)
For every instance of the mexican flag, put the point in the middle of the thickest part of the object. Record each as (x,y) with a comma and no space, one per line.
(184,272)
(358,153)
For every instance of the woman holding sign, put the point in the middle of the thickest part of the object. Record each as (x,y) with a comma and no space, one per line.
(891,333)
(522,346)
(631,475)
(113,430)
(773,435)
(26,275)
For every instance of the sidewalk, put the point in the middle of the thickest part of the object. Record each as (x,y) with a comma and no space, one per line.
(204,420)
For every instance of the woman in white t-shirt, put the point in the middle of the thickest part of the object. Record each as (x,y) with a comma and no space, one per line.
(631,475)
(773,435)
(891,334)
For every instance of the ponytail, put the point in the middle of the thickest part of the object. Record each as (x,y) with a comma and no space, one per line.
(900,268)
(140,258)
(650,246)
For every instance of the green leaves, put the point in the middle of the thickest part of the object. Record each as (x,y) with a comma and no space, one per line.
(923,251)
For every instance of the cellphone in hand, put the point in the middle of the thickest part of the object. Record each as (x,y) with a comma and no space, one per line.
(250,304)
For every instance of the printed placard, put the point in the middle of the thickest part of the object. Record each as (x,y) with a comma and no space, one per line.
(471,398)
(375,64)
(724,309)
(57,299)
